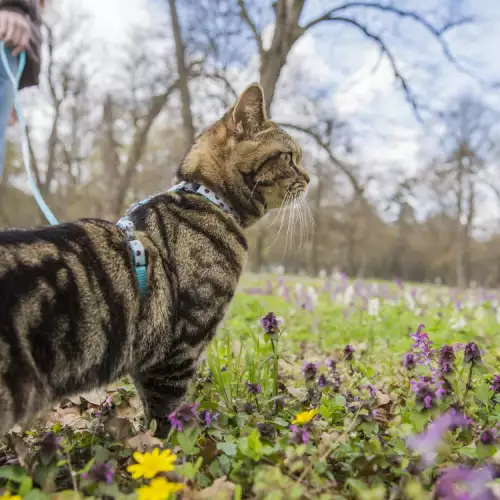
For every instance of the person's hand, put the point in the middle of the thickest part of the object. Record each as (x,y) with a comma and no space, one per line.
(15,31)
(12,117)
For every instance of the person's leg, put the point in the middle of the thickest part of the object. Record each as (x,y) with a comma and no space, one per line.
(6,102)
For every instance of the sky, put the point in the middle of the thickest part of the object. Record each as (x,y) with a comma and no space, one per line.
(386,134)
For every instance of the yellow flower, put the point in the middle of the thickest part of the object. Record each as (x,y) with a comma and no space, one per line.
(305,417)
(8,495)
(158,489)
(150,464)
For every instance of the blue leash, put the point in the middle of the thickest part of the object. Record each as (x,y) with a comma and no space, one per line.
(24,135)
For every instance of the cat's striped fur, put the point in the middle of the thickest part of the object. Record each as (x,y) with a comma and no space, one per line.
(71,317)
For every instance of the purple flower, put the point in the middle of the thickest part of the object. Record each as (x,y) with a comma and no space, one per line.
(472,353)
(310,370)
(99,472)
(298,435)
(463,483)
(248,408)
(496,383)
(427,443)
(409,361)
(270,323)
(424,392)
(422,345)
(488,436)
(266,430)
(443,387)
(323,381)
(331,364)
(348,352)
(206,417)
(184,414)
(253,388)
(446,357)
(370,389)
(49,447)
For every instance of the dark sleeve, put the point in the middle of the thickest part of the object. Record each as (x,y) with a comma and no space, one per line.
(28,7)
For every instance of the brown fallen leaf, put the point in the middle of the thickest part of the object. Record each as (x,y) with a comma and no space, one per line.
(95,397)
(208,449)
(143,441)
(22,452)
(130,409)
(71,417)
(118,428)
(221,489)
(382,399)
(299,394)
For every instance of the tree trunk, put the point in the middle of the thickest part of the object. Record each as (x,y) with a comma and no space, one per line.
(187,116)
(286,33)
(460,227)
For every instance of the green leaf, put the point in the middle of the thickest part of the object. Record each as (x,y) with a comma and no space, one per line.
(281,422)
(484,393)
(25,486)
(187,440)
(36,495)
(339,400)
(228,448)
(485,451)
(189,470)
(13,473)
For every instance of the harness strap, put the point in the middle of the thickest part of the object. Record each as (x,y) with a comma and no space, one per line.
(137,250)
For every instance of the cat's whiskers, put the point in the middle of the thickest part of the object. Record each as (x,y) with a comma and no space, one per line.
(281,211)
(291,222)
(253,190)
(303,221)
(300,220)
(309,212)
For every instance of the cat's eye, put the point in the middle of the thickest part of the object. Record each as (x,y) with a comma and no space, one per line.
(286,157)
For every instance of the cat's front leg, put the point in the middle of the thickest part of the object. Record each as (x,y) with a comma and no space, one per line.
(163,387)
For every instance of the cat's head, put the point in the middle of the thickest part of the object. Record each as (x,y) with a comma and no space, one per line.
(247,159)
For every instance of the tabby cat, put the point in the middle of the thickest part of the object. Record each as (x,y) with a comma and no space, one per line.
(72,316)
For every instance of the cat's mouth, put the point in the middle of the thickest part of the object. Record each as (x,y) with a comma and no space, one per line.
(299,189)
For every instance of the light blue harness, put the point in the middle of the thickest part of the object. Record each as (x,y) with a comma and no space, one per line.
(137,250)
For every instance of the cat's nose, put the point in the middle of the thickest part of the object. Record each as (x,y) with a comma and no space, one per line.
(306,177)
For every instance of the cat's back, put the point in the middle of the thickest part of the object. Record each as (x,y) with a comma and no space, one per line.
(67,307)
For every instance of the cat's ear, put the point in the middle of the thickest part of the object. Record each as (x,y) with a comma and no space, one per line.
(249,112)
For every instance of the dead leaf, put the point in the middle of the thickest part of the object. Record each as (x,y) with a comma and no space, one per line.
(299,394)
(70,417)
(95,397)
(221,489)
(208,449)
(22,452)
(143,441)
(383,399)
(118,428)
(130,409)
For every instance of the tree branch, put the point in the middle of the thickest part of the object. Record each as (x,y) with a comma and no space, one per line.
(402,13)
(253,27)
(358,188)
(410,96)
(138,144)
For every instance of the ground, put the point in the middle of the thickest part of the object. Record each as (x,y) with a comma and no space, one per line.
(312,389)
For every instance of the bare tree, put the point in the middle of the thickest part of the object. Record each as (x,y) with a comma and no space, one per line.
(457,177)
(183,72)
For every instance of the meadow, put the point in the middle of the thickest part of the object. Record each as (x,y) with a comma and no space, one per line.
(324,389)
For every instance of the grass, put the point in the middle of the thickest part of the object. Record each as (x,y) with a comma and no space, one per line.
(369,435)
